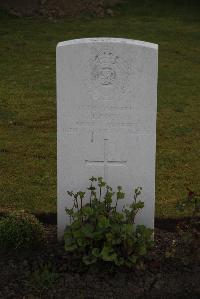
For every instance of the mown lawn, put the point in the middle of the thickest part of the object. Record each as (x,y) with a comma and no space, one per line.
(28,100)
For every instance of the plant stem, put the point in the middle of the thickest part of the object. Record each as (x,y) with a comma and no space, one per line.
(99,194)
(81,209)
(91,195)
(116,204)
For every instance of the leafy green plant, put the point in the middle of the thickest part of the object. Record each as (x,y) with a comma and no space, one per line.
(20,230)
(98,231)
(42,279)
(187,247)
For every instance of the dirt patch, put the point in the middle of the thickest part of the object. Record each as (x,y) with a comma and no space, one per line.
(59,8)
(50,272)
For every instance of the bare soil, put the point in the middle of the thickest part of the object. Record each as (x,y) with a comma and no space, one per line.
(22,274)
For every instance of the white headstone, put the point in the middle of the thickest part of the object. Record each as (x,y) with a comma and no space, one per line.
(106,118)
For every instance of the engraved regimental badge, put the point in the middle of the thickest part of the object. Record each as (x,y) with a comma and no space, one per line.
(108,74)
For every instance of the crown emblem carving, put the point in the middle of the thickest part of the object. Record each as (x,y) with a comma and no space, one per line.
(108,73)
(106,57)
(104,72)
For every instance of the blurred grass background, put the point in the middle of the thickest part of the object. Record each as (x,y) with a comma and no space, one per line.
(28,98)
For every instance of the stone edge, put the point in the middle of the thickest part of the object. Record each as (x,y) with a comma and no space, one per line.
(107,39)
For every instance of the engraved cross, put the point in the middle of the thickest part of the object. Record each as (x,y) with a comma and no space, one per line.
(105,162)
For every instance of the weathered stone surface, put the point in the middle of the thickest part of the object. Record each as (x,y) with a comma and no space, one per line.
(106,104)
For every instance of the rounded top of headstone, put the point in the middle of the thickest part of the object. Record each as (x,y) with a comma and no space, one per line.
(107,40)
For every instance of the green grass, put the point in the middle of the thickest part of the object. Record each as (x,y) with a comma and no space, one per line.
(28,100)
